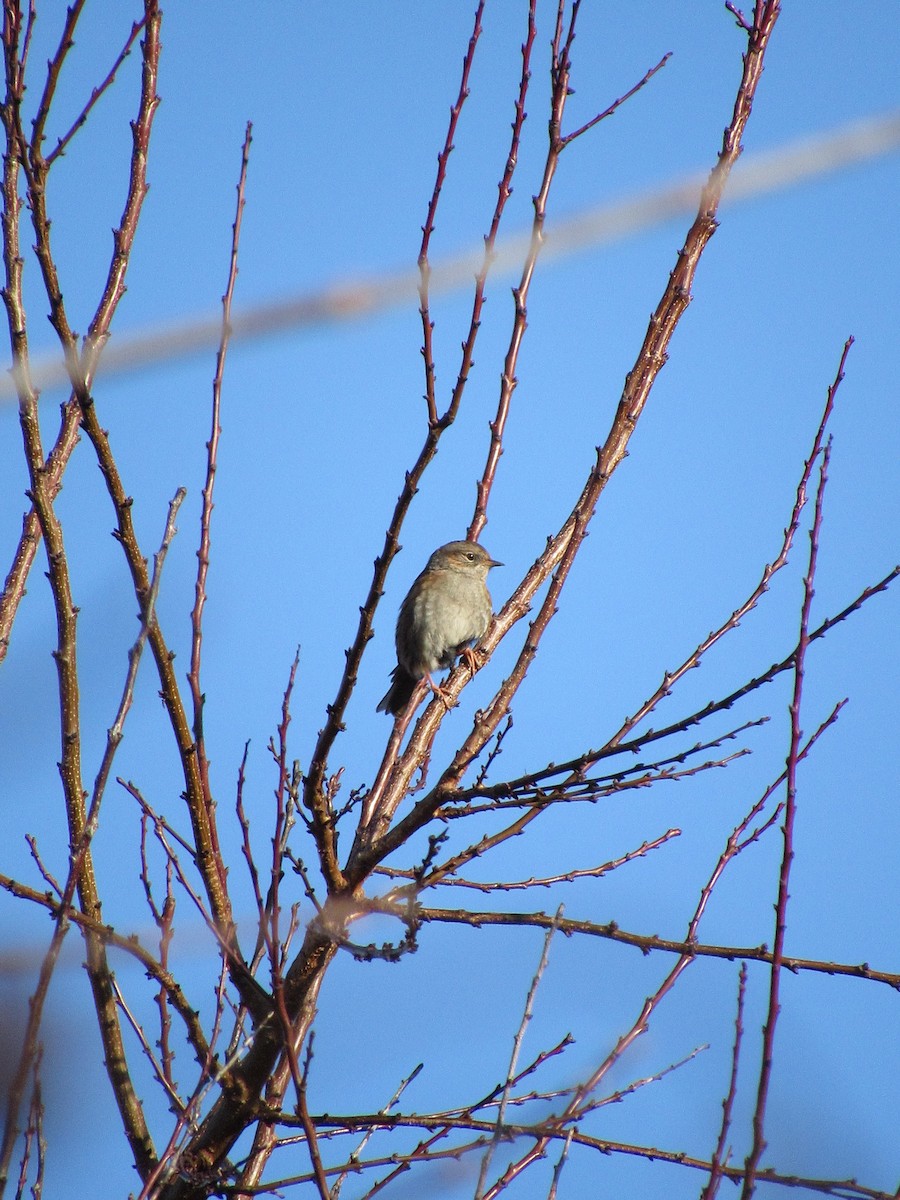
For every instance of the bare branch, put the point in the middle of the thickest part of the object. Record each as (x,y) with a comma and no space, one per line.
(560,552)
(719,1157)
(428,227)
(78,123)
(514,1060)
(616,104)
(212,447)
(647,943)
(790,812)
(123,240)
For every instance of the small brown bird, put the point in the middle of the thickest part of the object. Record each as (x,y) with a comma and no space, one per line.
(447,609)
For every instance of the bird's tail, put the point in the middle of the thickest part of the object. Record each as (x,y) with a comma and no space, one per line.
(399,693)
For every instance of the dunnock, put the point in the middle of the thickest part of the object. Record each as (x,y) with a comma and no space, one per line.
(447,609)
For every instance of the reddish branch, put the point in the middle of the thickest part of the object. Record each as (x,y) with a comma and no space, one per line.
(556,560)
(646,943)
(428,227)
(560,72)
(212,449)
(790,811)
(439,1125)
(123,241)
(20,153)
(78,123)
(719,1154)
(315,784)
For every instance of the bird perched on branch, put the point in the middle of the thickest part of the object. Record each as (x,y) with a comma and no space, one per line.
(447,609)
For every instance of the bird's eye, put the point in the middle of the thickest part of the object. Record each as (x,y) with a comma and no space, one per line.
(470,556)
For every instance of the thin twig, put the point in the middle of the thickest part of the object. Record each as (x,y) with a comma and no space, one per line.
(844,1189)
(394,1100)
(514,1059)
(439,878)
(428,227)
(309,1128)
(114,288)
(560,552)
(212,448)
(63,142)
(790,812)
(616,104)
(719,1157)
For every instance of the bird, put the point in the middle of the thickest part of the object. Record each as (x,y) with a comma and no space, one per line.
(447,609)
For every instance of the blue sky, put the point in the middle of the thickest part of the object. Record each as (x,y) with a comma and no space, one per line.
(349,106)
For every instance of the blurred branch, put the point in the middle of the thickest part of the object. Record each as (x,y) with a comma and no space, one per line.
(130,945)
(832,152)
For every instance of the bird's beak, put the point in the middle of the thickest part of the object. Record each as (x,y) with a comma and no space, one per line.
(493,563)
